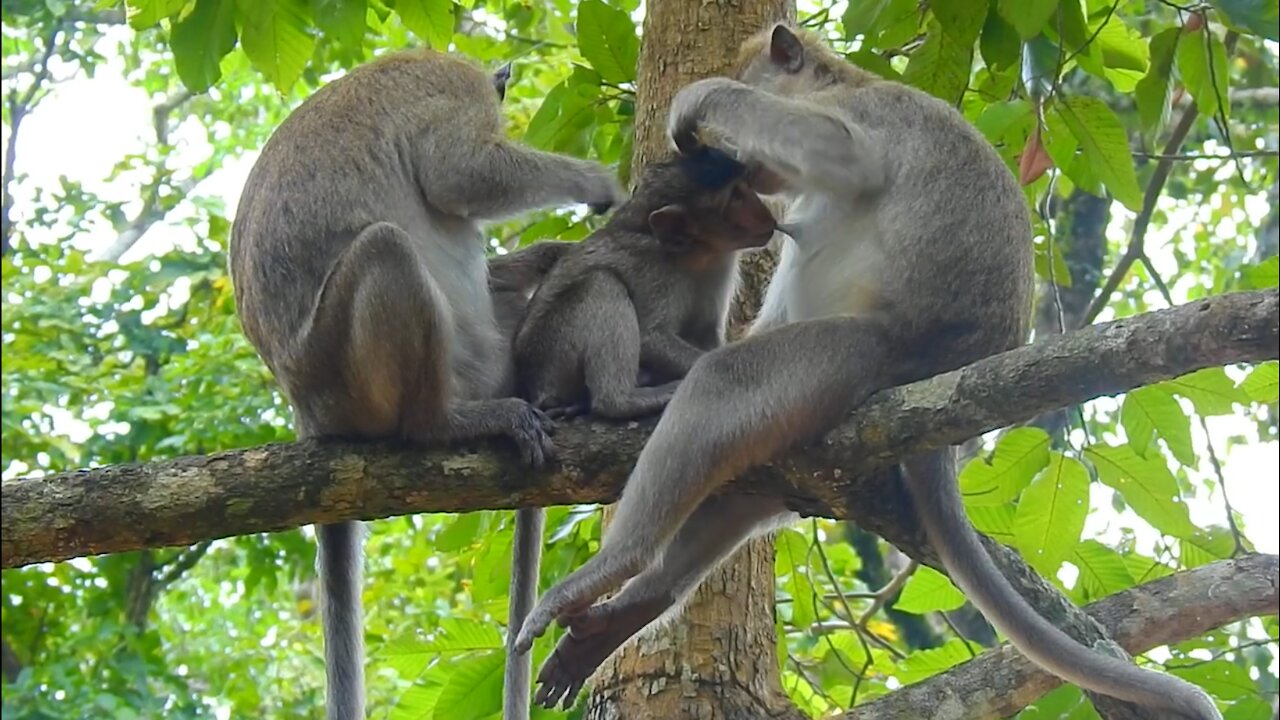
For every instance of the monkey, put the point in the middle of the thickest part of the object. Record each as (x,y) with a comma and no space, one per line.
(360,278)
(652,287)
(910,256)
(513,279)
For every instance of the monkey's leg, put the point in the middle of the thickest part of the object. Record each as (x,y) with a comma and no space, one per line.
(717,528)
(611,358)
(500,179)
(669,354)
(740,405)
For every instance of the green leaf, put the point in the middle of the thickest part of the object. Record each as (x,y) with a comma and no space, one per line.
(874,17)
(459,533)
(1000,45)
(1262,385)
(1221,678)
(1202,61)
(431,20)
(1249,708)
(1102,570)
(276,39)
(464,635)
(201,40)
(791,562)
(566,115)
(342,20)
(1255,17)
(1262,275)
(994,521)
(143,14)
(607,39)
(1210,390)
(1149,411)
(940,66)
(961,19)
(1051,514)
(1050,263)
(1146,485)
(1105,145)
(1205,546)
(998,479)
(928,590)
(474,688)
(925,663)
(1153,90)
(1028,17)
(1122,47)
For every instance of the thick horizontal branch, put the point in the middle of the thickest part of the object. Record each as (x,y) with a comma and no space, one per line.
(275,487)
(1001,681)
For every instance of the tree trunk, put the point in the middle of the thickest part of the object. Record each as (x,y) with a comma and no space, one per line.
(718,659)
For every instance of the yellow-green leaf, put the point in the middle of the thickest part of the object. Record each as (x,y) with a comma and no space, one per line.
(431,20)
(1152,411)
(1146,485)
(1051,514)
(607,39)
(276,39)
(999,478)
(1105,145)
(1202,61)
(928,590)
(200,41)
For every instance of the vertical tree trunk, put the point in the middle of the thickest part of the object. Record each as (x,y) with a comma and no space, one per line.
(718,659)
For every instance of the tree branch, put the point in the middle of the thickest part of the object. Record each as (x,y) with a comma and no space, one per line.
(1001,682)
(183,501)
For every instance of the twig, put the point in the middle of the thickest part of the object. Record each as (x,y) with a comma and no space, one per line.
(1205,156)
(888,591)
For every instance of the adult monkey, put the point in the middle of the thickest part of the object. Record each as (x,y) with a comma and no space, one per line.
(360,277)
(911,257)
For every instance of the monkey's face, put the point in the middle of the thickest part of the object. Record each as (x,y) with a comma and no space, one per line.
(715,222)
(784,63)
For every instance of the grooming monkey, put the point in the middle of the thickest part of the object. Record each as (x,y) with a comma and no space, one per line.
(651,288)
(911,257)
(360,277)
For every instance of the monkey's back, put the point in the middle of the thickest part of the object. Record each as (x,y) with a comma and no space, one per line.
(955,228)
(347,157)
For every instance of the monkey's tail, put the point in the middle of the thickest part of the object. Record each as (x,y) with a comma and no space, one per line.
(526,557)
(931,478)
(340,561)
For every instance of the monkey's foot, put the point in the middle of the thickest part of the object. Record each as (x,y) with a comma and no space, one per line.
(593,636)
(567,412)
(531,429)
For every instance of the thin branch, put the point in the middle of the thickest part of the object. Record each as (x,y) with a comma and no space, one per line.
(888,591)
(19,107)
(1204,156)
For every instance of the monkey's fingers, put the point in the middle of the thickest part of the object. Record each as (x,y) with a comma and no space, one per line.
(531,432)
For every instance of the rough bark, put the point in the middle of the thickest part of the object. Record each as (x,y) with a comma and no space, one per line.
(1000,682)
(182,501)
(718,659)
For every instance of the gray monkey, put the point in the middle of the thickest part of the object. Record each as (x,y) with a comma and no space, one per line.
(911,257)
(360,277)
(650,289)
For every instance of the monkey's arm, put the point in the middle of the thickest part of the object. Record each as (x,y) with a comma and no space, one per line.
(525,267)
(500,178)
(668,354)
(809,145)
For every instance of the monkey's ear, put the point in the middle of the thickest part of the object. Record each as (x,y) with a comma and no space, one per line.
(500,80)
(670,225)
(785,49)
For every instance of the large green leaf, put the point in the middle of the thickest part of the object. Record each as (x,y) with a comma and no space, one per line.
(1153,90)
(791,564)
(1051,514)
(1028,16)
(431,20)
(940,66)
(1152,411)
(1263,383)
(473,689)
(200,41)
(607,39)
(1202,62)
(1105,145)
(143,14)
(276,39)
(1102,570)
(1146,485)
(961,19)
(999,478)
(1000,44)
(928,590)
(343,20)
(1210,390)
(1223,678)
(1257,17)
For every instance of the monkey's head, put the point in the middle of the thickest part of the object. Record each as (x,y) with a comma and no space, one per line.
(705,204)
(791,62)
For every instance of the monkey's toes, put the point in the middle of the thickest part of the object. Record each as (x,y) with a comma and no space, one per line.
(531,430)
(567,412)
(557,683)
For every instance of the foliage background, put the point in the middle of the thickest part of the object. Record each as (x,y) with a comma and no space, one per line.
(121,345)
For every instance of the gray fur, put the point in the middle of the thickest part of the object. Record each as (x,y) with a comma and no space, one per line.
(360,277)
(911,256)
(650,289)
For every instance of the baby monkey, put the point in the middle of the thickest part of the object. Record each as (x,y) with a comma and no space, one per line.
(636,302)
(650,289)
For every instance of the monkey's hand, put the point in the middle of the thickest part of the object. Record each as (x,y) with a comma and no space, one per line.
(688,122)
(599,188)
(526,425)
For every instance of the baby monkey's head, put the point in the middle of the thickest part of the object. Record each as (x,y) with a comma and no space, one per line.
(793,62)
(700,201)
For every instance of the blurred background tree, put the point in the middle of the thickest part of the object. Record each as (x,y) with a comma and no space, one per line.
(1146,137)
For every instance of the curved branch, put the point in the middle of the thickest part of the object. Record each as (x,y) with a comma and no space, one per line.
(1001,681)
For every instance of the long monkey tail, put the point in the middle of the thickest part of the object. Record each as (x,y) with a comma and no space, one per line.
(340,561)
(931,478)
(526,558)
